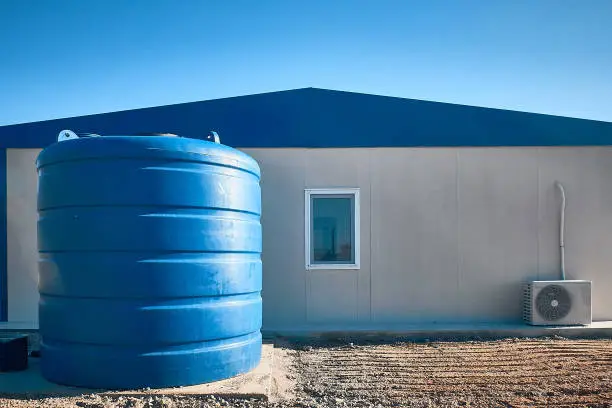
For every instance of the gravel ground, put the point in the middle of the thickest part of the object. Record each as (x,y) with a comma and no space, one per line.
(508,373)
(345,373)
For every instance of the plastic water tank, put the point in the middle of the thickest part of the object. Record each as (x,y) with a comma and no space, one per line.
(150,267)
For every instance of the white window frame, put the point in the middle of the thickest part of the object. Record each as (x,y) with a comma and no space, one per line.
(309,192)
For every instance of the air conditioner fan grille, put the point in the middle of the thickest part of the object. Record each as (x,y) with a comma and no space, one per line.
(553,302)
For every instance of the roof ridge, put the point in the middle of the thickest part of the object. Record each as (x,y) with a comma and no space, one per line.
(309,88)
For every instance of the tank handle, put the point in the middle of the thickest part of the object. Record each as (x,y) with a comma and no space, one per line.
(215,137)
(70,135)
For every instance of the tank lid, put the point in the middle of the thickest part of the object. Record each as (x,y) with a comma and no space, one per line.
(160,147)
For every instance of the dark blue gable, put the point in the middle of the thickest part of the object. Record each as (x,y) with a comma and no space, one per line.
(323,118)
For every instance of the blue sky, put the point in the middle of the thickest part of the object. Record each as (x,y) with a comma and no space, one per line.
(68,58)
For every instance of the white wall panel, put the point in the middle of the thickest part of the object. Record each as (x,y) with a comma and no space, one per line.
(328,298)
(498,230)
(586,174)
(414,235)
(22,247)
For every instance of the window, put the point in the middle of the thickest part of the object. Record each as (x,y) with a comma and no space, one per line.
(332,228)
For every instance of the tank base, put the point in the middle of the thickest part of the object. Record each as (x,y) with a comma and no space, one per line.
(100,367)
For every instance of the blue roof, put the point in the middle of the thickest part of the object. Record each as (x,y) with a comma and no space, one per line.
(312,117)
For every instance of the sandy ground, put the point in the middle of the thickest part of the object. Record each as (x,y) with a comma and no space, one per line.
(346,373)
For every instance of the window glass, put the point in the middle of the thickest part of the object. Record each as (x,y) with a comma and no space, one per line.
(333,229)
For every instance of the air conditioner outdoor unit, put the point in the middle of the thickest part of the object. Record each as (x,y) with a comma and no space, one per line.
(559,302)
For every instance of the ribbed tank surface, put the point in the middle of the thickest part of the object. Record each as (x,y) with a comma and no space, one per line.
(150,267)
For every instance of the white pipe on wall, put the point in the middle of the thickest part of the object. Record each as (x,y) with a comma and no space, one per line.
(562,229)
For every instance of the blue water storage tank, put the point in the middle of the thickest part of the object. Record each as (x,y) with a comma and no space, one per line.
(150,268)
